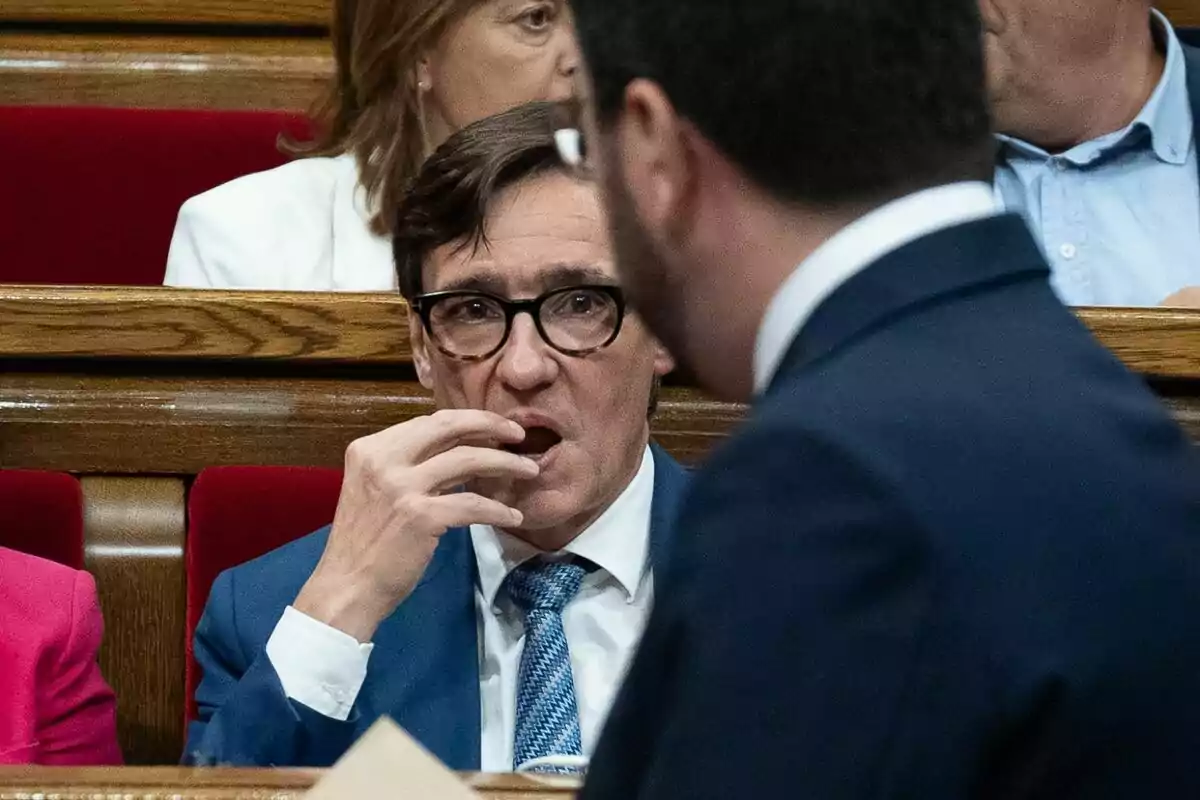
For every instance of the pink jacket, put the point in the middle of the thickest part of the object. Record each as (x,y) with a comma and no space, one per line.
(55,708)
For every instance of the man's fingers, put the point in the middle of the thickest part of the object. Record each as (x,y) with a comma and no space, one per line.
(466,508)
(443,430)
(454,467)
(1184,298)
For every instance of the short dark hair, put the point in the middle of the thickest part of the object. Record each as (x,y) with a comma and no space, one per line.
(817,101)
(449,199)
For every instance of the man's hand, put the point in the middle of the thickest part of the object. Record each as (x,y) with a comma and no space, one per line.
(1184,298)
(394,508)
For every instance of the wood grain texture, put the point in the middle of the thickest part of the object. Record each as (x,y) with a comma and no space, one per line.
(1159,342)
(178,783)
(180,424)
(154,324)
(1183,13)
(134,533)
(163,71)
(159,323)
(239,12)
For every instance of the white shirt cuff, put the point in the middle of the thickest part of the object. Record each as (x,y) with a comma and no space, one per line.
(318,666)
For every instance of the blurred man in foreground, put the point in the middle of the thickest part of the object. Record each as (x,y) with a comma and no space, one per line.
(955,553)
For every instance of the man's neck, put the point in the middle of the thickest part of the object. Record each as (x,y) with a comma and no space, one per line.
(1103,95)
(774,240)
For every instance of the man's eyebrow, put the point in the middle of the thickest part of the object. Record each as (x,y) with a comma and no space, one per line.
(490,282)
(563,275)
(559,276)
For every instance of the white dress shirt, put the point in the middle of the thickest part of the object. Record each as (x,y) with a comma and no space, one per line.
(853,249)
(324,669)
(304,226)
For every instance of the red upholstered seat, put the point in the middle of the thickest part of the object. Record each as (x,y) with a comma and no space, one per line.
(41,513)
(90,195)
(236,514)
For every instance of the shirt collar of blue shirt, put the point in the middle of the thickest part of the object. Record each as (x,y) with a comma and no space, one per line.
(1167,116)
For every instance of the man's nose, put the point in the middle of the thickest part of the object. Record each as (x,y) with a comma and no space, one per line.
(527,361)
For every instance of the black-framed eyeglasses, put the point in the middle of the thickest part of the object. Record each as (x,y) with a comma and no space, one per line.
(473,326)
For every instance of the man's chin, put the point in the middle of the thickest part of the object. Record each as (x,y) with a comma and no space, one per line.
(545,509)
(539,500)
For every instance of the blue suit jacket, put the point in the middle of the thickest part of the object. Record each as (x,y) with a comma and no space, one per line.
(423,672)
(955,553)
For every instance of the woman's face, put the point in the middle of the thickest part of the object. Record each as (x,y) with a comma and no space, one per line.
(503,53)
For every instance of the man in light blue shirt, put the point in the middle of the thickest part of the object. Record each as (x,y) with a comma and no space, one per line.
(1096,110)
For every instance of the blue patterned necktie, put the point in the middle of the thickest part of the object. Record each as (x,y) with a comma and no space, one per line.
(547,714)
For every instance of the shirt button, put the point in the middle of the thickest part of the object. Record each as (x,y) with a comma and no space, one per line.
(1068,251)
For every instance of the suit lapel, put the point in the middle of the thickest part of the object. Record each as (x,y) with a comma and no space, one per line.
(952,261)
(670,479)
(425,666)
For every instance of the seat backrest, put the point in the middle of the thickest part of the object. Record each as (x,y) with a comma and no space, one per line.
(90,195)
(236,514)
(41,513)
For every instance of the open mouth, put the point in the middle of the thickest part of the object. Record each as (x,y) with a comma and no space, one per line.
(538,442)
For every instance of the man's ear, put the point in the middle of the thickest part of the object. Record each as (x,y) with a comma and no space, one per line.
(664,362)
(419,343)
(994,16)
(655,156)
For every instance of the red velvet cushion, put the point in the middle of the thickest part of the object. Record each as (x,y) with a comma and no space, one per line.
(90,195)
(236,514)
(41,513)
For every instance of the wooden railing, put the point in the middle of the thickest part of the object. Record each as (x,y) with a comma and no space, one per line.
(1184,13)
(165,783)
(163,71)
(137,390)
(220,54)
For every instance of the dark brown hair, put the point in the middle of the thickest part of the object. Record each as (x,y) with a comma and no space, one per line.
(823,103)
(372,106)
(450,197)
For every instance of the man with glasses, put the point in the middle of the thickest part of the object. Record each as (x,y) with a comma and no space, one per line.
(488,570)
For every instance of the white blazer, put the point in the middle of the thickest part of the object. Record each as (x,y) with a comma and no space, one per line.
(299,227)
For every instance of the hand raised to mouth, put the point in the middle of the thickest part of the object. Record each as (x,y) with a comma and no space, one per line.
(396,502)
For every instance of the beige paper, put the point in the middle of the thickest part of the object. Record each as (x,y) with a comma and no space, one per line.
(387,762)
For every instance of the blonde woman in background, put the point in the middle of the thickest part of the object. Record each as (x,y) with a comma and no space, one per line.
(408,74)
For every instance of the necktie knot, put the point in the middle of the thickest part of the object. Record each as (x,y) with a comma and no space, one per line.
(544,585)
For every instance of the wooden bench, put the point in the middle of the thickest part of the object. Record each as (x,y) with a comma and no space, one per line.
(137,390)
(313,13)
(163,71)
(1183,13)
(97,52)
(165,783)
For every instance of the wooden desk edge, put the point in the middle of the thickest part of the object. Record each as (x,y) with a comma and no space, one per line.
(48,322)
(186,782)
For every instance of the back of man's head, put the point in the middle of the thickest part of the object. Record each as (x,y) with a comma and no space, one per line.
(820,102)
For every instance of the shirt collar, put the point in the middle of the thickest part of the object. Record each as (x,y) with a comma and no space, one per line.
(617,542)
(1167,115)
(851,250)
